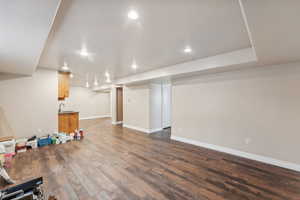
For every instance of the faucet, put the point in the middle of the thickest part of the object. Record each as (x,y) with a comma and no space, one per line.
(60,107)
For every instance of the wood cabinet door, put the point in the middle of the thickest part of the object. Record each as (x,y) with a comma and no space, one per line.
(63,85)
(60,86)
(66,85)
(63,123)
(68,123)
(73,122)
(119,104)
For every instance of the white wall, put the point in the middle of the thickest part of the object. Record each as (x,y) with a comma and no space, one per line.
(155,107)
(88,103)
(166,105)
(136,107)
(30,103)
(255,110)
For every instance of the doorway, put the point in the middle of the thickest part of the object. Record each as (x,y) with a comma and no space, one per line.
(160,109)
(119,105)
(166,105)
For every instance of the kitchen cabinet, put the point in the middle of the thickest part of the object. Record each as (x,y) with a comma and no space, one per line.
(63,85)
(68,122)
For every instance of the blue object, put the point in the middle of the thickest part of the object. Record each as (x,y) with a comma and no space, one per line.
(44,141)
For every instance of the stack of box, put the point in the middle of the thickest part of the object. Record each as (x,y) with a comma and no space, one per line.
(63,138)
(2,153)
(21,145)
(9,144)
(7,150)
(32,144)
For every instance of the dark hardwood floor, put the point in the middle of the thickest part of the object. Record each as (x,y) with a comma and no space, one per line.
(118,163)
(165,134)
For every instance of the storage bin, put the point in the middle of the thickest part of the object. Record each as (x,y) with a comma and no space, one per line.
(10,146)
(53,140)
(44,141)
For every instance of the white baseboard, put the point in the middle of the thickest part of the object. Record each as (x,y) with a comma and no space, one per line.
(142,129)
(94,117)
(155,130)
(251,156)
(136,128)
(115,123)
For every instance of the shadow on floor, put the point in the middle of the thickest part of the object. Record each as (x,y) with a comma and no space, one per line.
(165,134)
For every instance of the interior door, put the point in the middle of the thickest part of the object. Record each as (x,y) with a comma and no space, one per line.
(119,104)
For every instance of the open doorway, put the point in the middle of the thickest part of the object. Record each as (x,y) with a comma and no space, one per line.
(166,105)
(160,110)
(119,105)
(166,108)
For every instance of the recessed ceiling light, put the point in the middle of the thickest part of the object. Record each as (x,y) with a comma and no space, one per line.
(106,74)
(71,75)
(188,50)
(87,85)
(134,66)
(84,52)
(132,14)
(65,67)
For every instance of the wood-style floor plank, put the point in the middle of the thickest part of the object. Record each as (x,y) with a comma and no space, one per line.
(115,163)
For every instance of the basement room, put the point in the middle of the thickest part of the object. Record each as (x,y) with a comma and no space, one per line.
(149,100)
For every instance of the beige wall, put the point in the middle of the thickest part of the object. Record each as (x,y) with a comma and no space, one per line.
(136,106)
(155,107)
(143,107)
(166,105)
(30,103)
(88,103)
(255,111)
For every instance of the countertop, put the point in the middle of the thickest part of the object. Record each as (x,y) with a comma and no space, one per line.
(67,112)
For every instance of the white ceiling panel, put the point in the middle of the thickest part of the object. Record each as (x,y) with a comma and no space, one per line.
(155,40)
(275,29)
(24,28)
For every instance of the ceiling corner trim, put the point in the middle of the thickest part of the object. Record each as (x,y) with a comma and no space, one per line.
(49,31)
(247,26)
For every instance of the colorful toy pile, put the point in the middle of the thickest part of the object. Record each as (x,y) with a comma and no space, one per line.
(11,146)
